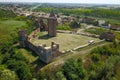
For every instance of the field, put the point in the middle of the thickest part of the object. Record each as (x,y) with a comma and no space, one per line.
(9,26)
(66,41)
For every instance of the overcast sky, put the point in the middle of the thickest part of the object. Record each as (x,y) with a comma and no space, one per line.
(68,1)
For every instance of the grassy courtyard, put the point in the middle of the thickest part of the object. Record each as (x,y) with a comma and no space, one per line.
(66,41)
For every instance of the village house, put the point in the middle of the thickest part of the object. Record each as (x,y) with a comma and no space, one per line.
(101,22)
(88,20)
(109,36)
(115,27)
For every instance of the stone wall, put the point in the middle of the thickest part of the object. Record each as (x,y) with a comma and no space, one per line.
(34,34)
(46,54)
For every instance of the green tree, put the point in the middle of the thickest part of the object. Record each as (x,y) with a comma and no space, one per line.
(60,76)
(73,69)
(75,24)
(6,74)
(95,57)
(21,68)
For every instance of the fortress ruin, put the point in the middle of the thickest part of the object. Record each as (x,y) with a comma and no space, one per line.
(45,53)
(44,42)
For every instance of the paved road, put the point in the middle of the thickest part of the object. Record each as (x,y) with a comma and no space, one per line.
(61,60)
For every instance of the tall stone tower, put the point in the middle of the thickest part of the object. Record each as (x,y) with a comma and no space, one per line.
(52,23)
(22,37)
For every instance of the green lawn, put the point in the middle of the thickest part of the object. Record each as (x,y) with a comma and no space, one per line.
(29,55)
(66,41)
(10,25)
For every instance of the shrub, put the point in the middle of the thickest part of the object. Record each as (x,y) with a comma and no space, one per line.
(73,69)
(95,57)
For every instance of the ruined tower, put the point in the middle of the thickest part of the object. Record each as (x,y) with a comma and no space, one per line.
(22,37)
(52,23)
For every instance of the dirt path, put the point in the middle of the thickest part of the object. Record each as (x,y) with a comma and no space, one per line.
(61,60)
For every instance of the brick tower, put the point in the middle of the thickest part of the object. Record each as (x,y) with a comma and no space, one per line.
(52,23)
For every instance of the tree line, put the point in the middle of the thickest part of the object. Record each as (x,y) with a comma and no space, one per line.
(13,65)
(100,13)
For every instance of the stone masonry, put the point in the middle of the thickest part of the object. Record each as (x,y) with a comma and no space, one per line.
(46,53)
(50,26)
(52,23)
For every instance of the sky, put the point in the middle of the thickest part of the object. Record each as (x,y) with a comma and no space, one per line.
(67,1)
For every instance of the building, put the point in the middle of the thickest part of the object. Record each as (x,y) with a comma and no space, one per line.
(46,53)
(108,36)
(115,27)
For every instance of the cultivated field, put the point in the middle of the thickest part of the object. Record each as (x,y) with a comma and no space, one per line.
(66,41)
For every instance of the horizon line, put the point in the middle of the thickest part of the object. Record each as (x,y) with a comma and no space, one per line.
(59,2)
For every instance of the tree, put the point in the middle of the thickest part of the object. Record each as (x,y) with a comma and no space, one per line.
(6,74)
(60,76)
(75,24)
(95,23)
(21,68)
(73,69)
(95,57)
(93,76)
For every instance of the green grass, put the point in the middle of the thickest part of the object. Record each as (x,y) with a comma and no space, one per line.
(66,41)
(63,27)
(97,31)
(9,29)
(7,26)
(118,72)
(11,24)
(34,60)
(29,55)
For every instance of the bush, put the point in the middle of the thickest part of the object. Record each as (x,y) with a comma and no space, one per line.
(21,68)
(97,31)
(73,69)
(93,76)
(95,57)
(60,76)
(6,74)
(75,24)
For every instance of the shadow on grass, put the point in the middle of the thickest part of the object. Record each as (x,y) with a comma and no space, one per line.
(29,50)
(39,64)
(32,52)
(45,37)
